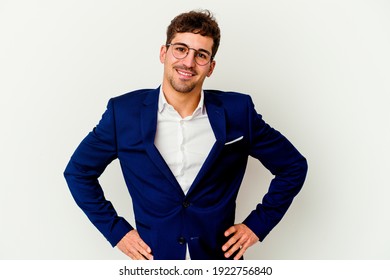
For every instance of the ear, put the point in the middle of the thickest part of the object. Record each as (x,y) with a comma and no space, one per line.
(211,70)
(163,52)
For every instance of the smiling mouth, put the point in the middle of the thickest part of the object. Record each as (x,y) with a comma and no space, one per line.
(185,73)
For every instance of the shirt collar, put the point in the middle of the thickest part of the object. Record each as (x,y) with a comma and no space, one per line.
(163,103)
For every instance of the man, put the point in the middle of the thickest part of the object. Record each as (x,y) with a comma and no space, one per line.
(183,153)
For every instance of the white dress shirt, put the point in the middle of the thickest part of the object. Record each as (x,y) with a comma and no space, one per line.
(184,143)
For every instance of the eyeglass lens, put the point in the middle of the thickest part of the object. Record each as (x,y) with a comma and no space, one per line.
(180,51)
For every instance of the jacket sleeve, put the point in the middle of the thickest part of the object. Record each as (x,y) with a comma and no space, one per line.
(284,161)
(95,152)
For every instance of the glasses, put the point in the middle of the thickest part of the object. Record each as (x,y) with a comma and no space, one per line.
(180,51)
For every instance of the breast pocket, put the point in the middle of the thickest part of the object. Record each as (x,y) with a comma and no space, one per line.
(235,140)
(234,149)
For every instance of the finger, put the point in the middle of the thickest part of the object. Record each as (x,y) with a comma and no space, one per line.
(137,256)
(243,249)
(134,247)
(139,249)
(144,246)
(230,231)
(136,253)
(237,242)
(240,253)
(236,246)
(145,250)
(232,240)
(129,251)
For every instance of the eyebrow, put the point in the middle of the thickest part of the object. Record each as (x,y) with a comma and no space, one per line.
(199,50)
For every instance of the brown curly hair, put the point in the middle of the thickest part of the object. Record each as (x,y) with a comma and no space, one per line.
(198,22)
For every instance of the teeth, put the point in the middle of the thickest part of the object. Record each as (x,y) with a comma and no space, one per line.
(185,74)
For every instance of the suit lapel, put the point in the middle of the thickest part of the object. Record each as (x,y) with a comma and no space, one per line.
(216,115)
(148,127)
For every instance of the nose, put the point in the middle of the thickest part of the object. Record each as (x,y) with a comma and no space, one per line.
(189,60)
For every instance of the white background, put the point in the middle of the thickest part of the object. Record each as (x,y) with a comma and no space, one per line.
(318,71)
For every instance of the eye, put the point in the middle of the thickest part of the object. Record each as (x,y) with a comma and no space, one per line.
(181,49)
(202,55)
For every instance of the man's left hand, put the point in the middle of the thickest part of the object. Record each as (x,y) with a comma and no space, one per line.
(241,238)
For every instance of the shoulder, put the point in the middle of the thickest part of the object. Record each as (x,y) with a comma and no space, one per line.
(227,98)
(136,95)
(134,99)
(224,96)
(131,102)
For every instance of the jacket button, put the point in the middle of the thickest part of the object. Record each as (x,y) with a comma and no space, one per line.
(181,240)
(186,204)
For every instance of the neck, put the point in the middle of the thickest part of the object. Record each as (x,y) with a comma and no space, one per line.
(184,103)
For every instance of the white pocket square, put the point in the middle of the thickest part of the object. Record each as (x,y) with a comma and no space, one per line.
(235,140)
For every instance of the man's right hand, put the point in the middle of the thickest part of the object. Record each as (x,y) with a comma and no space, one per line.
(133,246)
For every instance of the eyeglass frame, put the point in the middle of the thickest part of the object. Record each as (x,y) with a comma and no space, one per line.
(195,50)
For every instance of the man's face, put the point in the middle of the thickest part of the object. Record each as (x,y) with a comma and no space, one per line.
(185,75)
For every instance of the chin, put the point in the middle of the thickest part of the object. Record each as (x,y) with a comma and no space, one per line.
(183,88)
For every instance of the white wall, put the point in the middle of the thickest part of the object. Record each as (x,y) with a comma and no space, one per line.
(319,71)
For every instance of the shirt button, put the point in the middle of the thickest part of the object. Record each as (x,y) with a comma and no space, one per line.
(181,240)
(186,204)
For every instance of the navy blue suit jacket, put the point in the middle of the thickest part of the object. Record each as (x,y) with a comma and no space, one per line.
(167,219)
